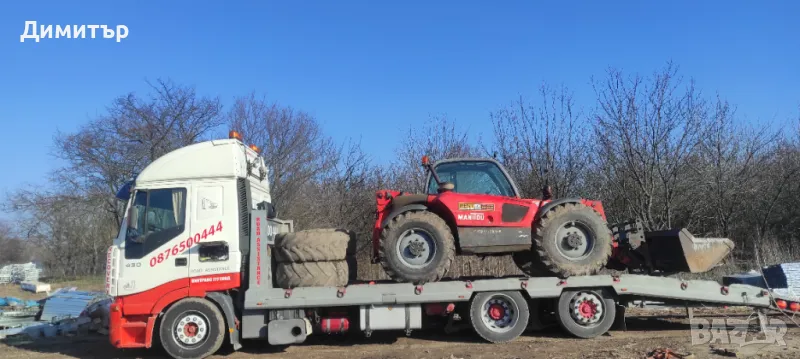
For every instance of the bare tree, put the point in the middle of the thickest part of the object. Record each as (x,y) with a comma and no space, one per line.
(439,139)
(292,143)
(111,149)
(545,143)
(646,131)
(13,248)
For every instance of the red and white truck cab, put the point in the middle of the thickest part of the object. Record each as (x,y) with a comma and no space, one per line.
(181,233)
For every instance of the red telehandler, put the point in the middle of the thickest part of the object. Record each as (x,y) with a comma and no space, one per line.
(472,206)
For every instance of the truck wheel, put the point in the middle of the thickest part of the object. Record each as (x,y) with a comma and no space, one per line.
(416,247)
(311,274)
(313,245)
(572,239)
(192,328)
(529,263)
(499,317)
(586,313)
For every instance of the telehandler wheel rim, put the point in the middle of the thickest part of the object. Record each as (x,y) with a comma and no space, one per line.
(416,248)
(500,313)
(191,330)
(586,308)
(574,240)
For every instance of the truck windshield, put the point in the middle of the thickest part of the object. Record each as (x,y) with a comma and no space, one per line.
(155,217)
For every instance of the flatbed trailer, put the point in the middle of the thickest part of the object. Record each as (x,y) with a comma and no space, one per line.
(287,316)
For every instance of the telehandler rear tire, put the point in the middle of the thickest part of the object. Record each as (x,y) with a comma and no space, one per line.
(312,274)
(572,239)
(313,245)
(416,247)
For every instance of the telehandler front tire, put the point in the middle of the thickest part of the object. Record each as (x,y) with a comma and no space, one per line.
(416,247)
(572,239)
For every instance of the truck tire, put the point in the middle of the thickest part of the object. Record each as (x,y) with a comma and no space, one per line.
(313,245)
(586,313)
(311,274)
(500,316)
(192,328)
(416,247)
(572,239)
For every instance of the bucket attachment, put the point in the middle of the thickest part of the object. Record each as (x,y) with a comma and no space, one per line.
(677,250)
(670,251)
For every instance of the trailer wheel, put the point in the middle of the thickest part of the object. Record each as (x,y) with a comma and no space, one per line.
(416,247)
(192,328)
(572,239)
(499,317)
(586,313)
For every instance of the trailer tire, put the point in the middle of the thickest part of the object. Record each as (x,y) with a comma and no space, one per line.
(572,239)
(586,313)
(312,274)
(433,240)
(192,328)
(499,317)
(313,245)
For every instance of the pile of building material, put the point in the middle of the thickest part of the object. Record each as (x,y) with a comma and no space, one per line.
(17,273)
(35,287)
(783,279)
(65,312)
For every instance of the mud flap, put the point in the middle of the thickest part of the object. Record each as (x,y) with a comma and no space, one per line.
(226,304)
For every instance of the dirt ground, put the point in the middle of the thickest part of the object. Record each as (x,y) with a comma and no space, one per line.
(645,332)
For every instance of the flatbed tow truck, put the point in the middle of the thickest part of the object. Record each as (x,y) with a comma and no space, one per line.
(194,263)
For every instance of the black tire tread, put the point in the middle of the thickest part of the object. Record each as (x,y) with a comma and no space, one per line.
(390,232)
(203,305)
(312,274)
(313,245)
(522,321)
(566,322)
(546,258)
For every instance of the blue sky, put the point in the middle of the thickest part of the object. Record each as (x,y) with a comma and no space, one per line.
(369,69)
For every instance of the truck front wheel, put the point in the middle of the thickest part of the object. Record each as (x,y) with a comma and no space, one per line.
(192,328)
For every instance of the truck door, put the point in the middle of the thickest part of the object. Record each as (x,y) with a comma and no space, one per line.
(214,261)
(155,249)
